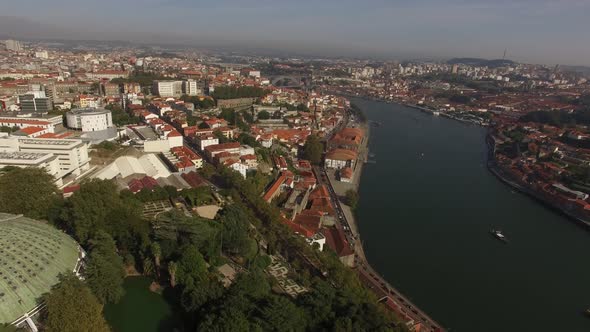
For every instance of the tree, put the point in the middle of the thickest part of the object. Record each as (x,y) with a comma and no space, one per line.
(235,232)
(105,270)
(351,198)
(28,191)
(312,150)
(157,253)
(172,271)
(263,115)
(71,307)
(278,313)
(98,206)
(198,287)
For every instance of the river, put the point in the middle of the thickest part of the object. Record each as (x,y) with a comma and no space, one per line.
(425,212)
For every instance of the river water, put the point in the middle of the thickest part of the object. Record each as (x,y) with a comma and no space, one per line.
(425,212)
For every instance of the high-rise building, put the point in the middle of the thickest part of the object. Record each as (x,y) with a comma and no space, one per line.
(191,87)
(35,102)
(455,69)
(13,45)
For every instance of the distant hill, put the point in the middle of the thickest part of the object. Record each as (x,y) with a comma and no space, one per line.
(481,62)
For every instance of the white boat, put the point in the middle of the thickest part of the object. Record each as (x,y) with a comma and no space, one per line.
(499,235)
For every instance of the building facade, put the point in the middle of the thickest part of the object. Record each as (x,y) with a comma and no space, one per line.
(89,119)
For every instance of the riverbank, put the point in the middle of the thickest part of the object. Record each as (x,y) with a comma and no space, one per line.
(425,211)
(460,116)
(499,174)
(410,314)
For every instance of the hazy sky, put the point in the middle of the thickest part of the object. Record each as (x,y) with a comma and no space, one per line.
(544,31)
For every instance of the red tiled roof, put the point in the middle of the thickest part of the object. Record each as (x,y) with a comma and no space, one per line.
(31,130)
(275,186)
(336,240)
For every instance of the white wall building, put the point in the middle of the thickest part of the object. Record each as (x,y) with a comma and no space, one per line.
(167,88)
(205,140)
(60,157)
(191,88)
(89,119)
(72,154)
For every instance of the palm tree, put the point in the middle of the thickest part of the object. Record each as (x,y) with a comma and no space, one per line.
(172,270)
(157,252)
(148,266)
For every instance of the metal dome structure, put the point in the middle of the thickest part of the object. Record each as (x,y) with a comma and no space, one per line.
(32,256)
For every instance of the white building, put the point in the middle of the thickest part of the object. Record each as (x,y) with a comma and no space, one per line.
(191,88)
(89,119)
(13,45)
(46,161)
(246,149)
(72,154)
(60,157)
(238,167)
(205,140)
(167,88)
(42,55)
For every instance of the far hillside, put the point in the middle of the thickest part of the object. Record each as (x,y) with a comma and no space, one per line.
(482,62)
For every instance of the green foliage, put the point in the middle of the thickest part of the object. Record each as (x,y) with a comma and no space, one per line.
(28,191)
(312,150)
(263,115)
(105,270)
(97,206)
(207,171)
(173,229)
(559,118)
(248,140)
(235,232)
(144,78)
(197,284)
(220,136)
(106,145)
(228,114)
(278,313)
(351,198)
(199,102)
(155,194)
(198,196)
(71,307)
(120,117)
(7,129)
(230,92)
(459,99)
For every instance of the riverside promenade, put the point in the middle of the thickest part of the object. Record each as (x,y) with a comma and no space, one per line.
(412,316)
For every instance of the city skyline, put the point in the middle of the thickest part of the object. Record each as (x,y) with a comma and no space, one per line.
(549,32)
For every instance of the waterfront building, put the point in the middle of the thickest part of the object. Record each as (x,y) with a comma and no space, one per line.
(340,158)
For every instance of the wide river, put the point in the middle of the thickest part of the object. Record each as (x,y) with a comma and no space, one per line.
(425,212)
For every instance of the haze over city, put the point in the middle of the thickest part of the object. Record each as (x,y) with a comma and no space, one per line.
(535,31)
(242,165)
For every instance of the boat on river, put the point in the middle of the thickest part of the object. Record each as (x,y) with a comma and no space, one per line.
(499,235)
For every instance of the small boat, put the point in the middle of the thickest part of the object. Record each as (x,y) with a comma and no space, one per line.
(499,235)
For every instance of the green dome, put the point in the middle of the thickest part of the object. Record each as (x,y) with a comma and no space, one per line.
(32,255)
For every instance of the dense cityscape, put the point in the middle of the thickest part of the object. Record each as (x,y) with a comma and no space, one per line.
(228,181)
